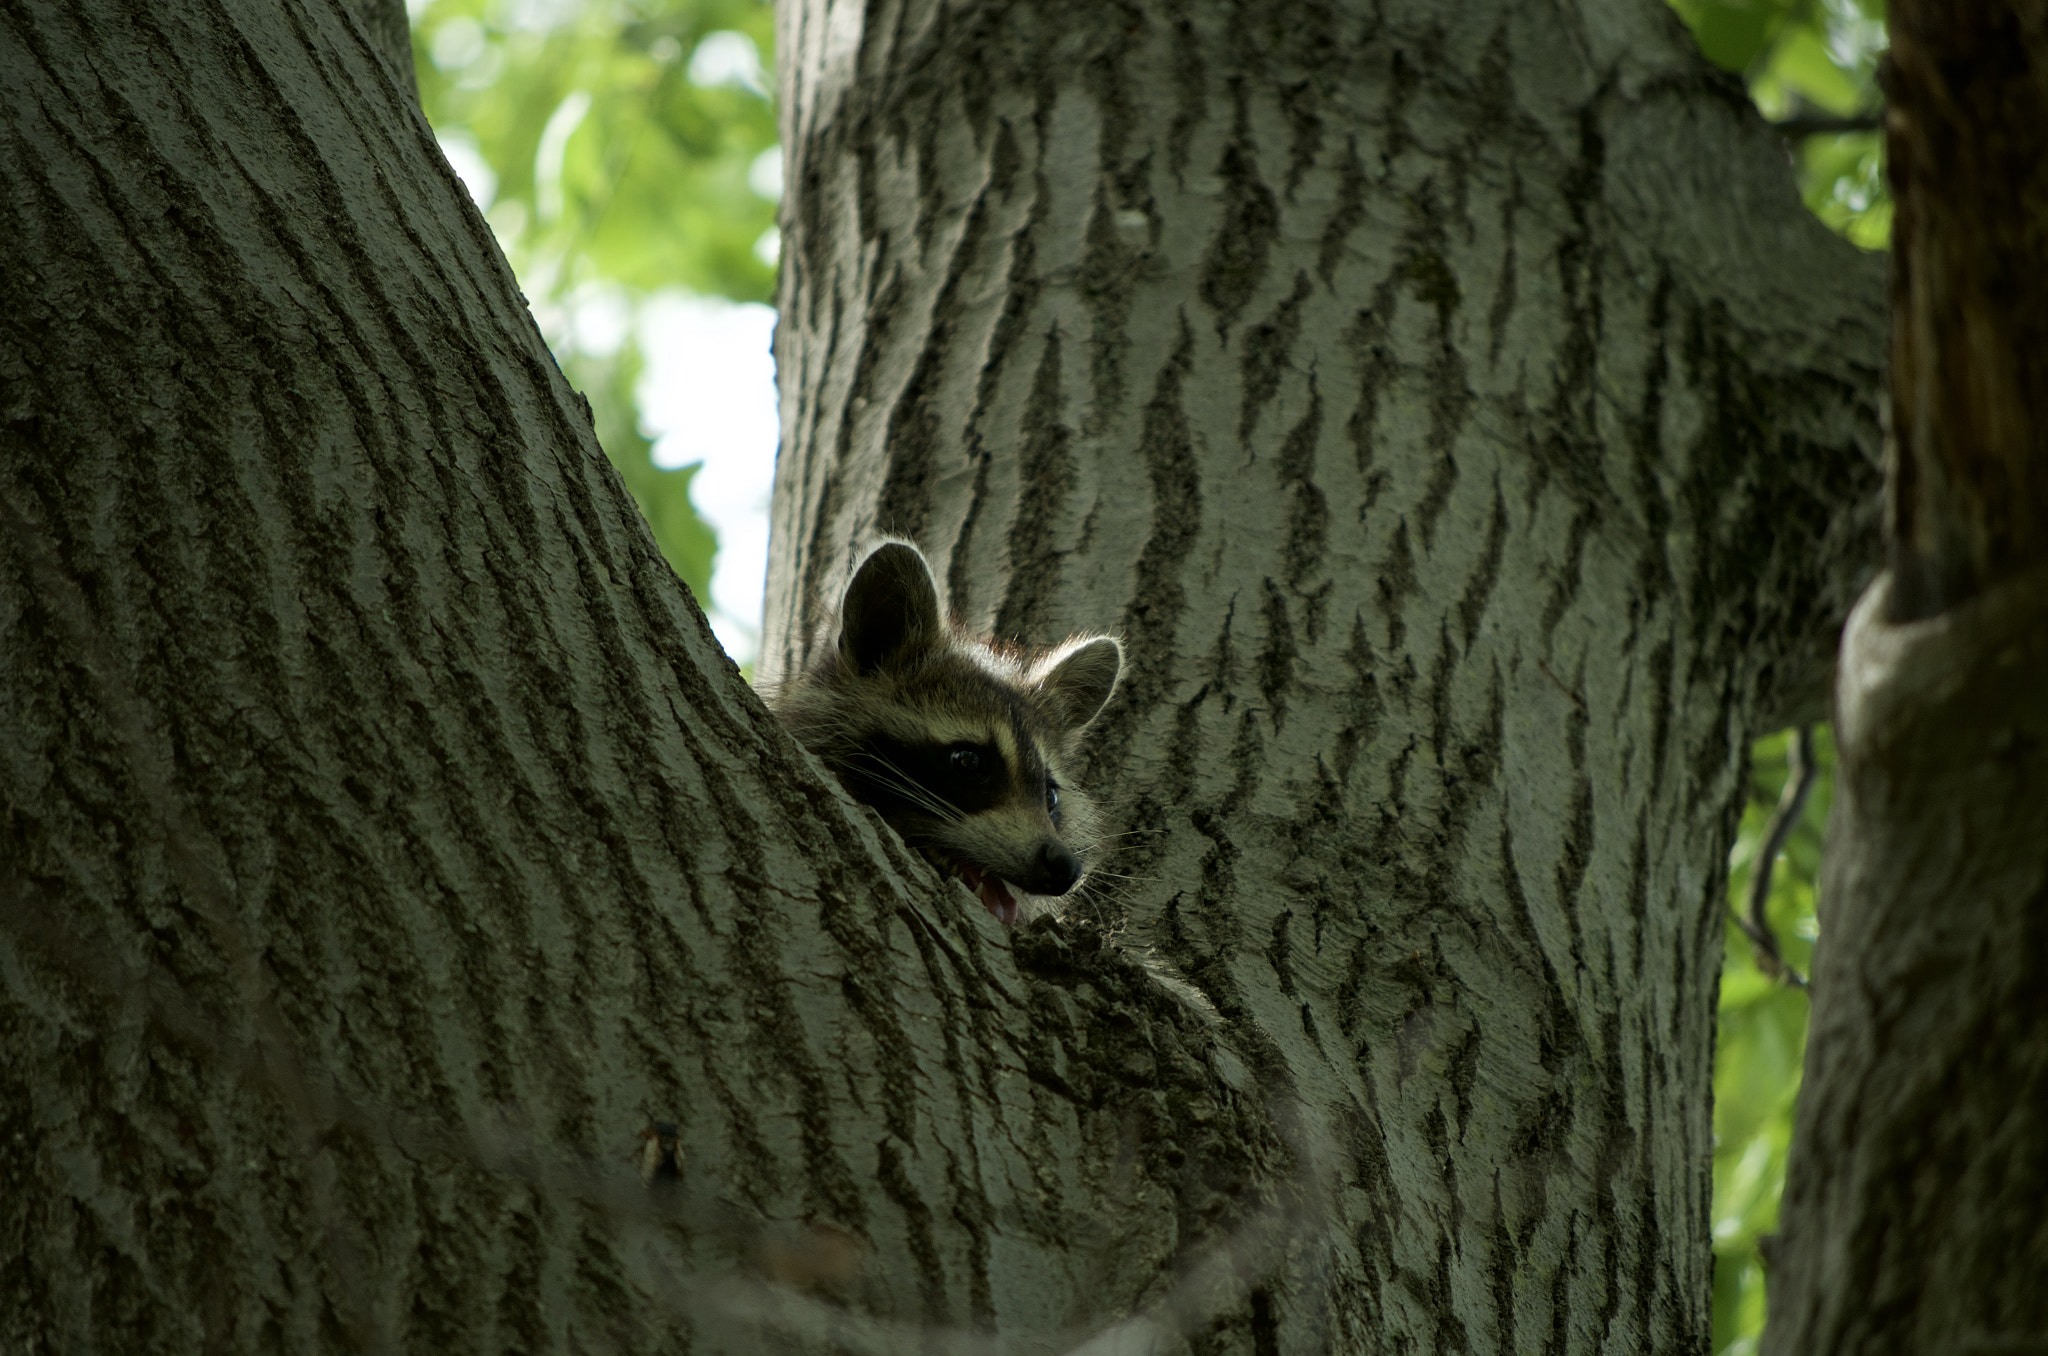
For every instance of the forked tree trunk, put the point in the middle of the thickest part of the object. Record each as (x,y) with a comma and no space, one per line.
(1914,1220)
(1474,442)
(1457,420)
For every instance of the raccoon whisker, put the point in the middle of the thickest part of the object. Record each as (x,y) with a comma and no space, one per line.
(902,781)
(1119,890)
(911,789)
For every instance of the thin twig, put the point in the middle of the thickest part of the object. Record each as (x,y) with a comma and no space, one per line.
(1826,124)
(1801,773)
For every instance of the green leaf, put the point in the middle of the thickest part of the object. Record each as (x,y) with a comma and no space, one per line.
(1802,56)
(1733,33)
(1761,1044)
(1802,62)
(623,168)
(618,142)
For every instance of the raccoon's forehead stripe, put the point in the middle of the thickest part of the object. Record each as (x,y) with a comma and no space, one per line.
(1007,744)
(1030,761)
(939,727)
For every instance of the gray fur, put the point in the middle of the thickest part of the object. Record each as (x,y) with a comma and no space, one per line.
(891,705)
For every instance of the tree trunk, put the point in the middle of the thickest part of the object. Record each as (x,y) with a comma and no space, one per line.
(413,936)
(1912,1219)
(386,850)
(1474,442)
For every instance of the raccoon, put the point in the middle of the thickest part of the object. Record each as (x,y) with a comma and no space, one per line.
(963,747)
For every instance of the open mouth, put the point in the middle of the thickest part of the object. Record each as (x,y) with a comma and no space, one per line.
(994,892)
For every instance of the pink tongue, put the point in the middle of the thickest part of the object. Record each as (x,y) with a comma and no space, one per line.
(997,900)
(994,894)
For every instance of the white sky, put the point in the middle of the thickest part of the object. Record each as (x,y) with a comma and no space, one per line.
(708,394)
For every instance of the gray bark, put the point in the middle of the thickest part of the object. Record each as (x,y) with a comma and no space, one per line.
(385,845)
(1474,442)
(389,30)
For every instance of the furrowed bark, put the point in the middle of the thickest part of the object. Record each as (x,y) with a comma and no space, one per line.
(413,935)
(1475,443)
(1911,1220)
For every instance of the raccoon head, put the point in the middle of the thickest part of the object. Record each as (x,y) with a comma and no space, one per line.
(963,748)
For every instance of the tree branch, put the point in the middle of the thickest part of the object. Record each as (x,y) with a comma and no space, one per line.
(1823,124)
(1801,773)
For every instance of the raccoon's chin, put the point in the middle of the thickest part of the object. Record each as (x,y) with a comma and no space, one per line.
(995,893)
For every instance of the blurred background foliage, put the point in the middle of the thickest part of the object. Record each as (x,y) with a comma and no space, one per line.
(618,148)
(1762,1041)
(621,147)
(1811,68)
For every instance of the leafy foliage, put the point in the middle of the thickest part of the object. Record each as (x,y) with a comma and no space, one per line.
(622,136)
(686,540)
(617,149)
(1762,1043)
(1811,59)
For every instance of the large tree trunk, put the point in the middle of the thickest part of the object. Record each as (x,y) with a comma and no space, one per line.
(1474,442)
(388,858)
(1913,1216)
(385,846)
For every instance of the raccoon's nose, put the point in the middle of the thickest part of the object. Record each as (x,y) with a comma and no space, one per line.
(1054,870)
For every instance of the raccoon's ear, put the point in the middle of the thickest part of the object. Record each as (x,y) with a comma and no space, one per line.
(1076,680)
(890,617)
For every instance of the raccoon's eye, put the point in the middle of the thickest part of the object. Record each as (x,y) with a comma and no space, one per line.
(1052,796)
(967,761)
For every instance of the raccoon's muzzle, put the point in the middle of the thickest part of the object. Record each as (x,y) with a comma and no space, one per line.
(1054,871)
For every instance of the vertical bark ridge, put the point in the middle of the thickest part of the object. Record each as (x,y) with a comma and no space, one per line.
(1268,349)
(1045,474)
(1107,285)
(1236,259)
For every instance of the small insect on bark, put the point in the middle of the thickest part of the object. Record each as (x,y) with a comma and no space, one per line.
(963,746)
